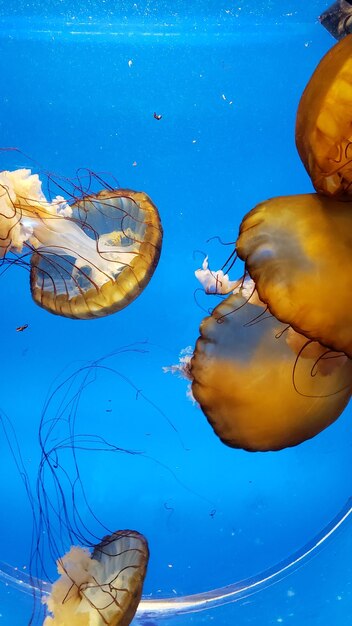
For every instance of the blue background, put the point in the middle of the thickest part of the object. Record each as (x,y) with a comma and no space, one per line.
(79,85)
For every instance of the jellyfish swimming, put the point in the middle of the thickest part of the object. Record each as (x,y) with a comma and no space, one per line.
(102,588)
(272,365)
(261,385)
(88,259)
(297,249)
(323,133)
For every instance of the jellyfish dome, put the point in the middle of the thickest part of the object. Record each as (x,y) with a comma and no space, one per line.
(297,249)
(323,128)
(261,385)
(102,589)
(88,259)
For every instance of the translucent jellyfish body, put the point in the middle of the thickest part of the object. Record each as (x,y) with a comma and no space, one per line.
(297,249)
(261,385)
(323,128)
(88,259)
(102,589)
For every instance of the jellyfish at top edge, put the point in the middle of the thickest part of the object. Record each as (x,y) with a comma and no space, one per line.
(87,259)
(297,249)
(261,385)
(103,588)
(323,127)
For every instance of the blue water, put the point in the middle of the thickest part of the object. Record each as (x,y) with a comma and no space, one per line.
(79,85)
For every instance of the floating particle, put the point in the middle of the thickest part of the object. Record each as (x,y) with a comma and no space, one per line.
(20,329)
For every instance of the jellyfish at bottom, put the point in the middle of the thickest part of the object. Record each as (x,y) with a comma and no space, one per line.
(88,259)
(102,589)
(261,385)
(323,127)
(297,249)
(160,608)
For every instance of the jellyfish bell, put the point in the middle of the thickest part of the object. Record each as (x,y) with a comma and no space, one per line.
(323,135)
(103,588)
(297,249)
(258,385)
(88,259)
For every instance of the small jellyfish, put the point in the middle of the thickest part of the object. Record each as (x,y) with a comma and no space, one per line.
(297,249)
(87,259)
(261,385)
(323,128)
(103,588)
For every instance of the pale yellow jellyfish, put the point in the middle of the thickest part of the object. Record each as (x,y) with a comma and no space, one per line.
(324,127)
(261,385)
(88,259)
(102,589)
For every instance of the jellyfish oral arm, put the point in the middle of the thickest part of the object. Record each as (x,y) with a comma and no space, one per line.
(215,282)
(64,237)
(49,228)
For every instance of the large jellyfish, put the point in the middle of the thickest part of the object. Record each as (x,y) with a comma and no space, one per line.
(297,249)
(323,128)
(273,366)
(261,385)
(88,259)
(102,589)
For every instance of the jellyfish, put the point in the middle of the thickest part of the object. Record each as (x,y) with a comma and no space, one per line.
(88,259)
(272,366)
(100,580)
(102,588)
(262,385)
(323,128)
(297,249)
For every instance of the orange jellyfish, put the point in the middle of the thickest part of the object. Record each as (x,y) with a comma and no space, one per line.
(87,259)
(323,128)
(297,249)
(273,365)
(261,385)
(104,588)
